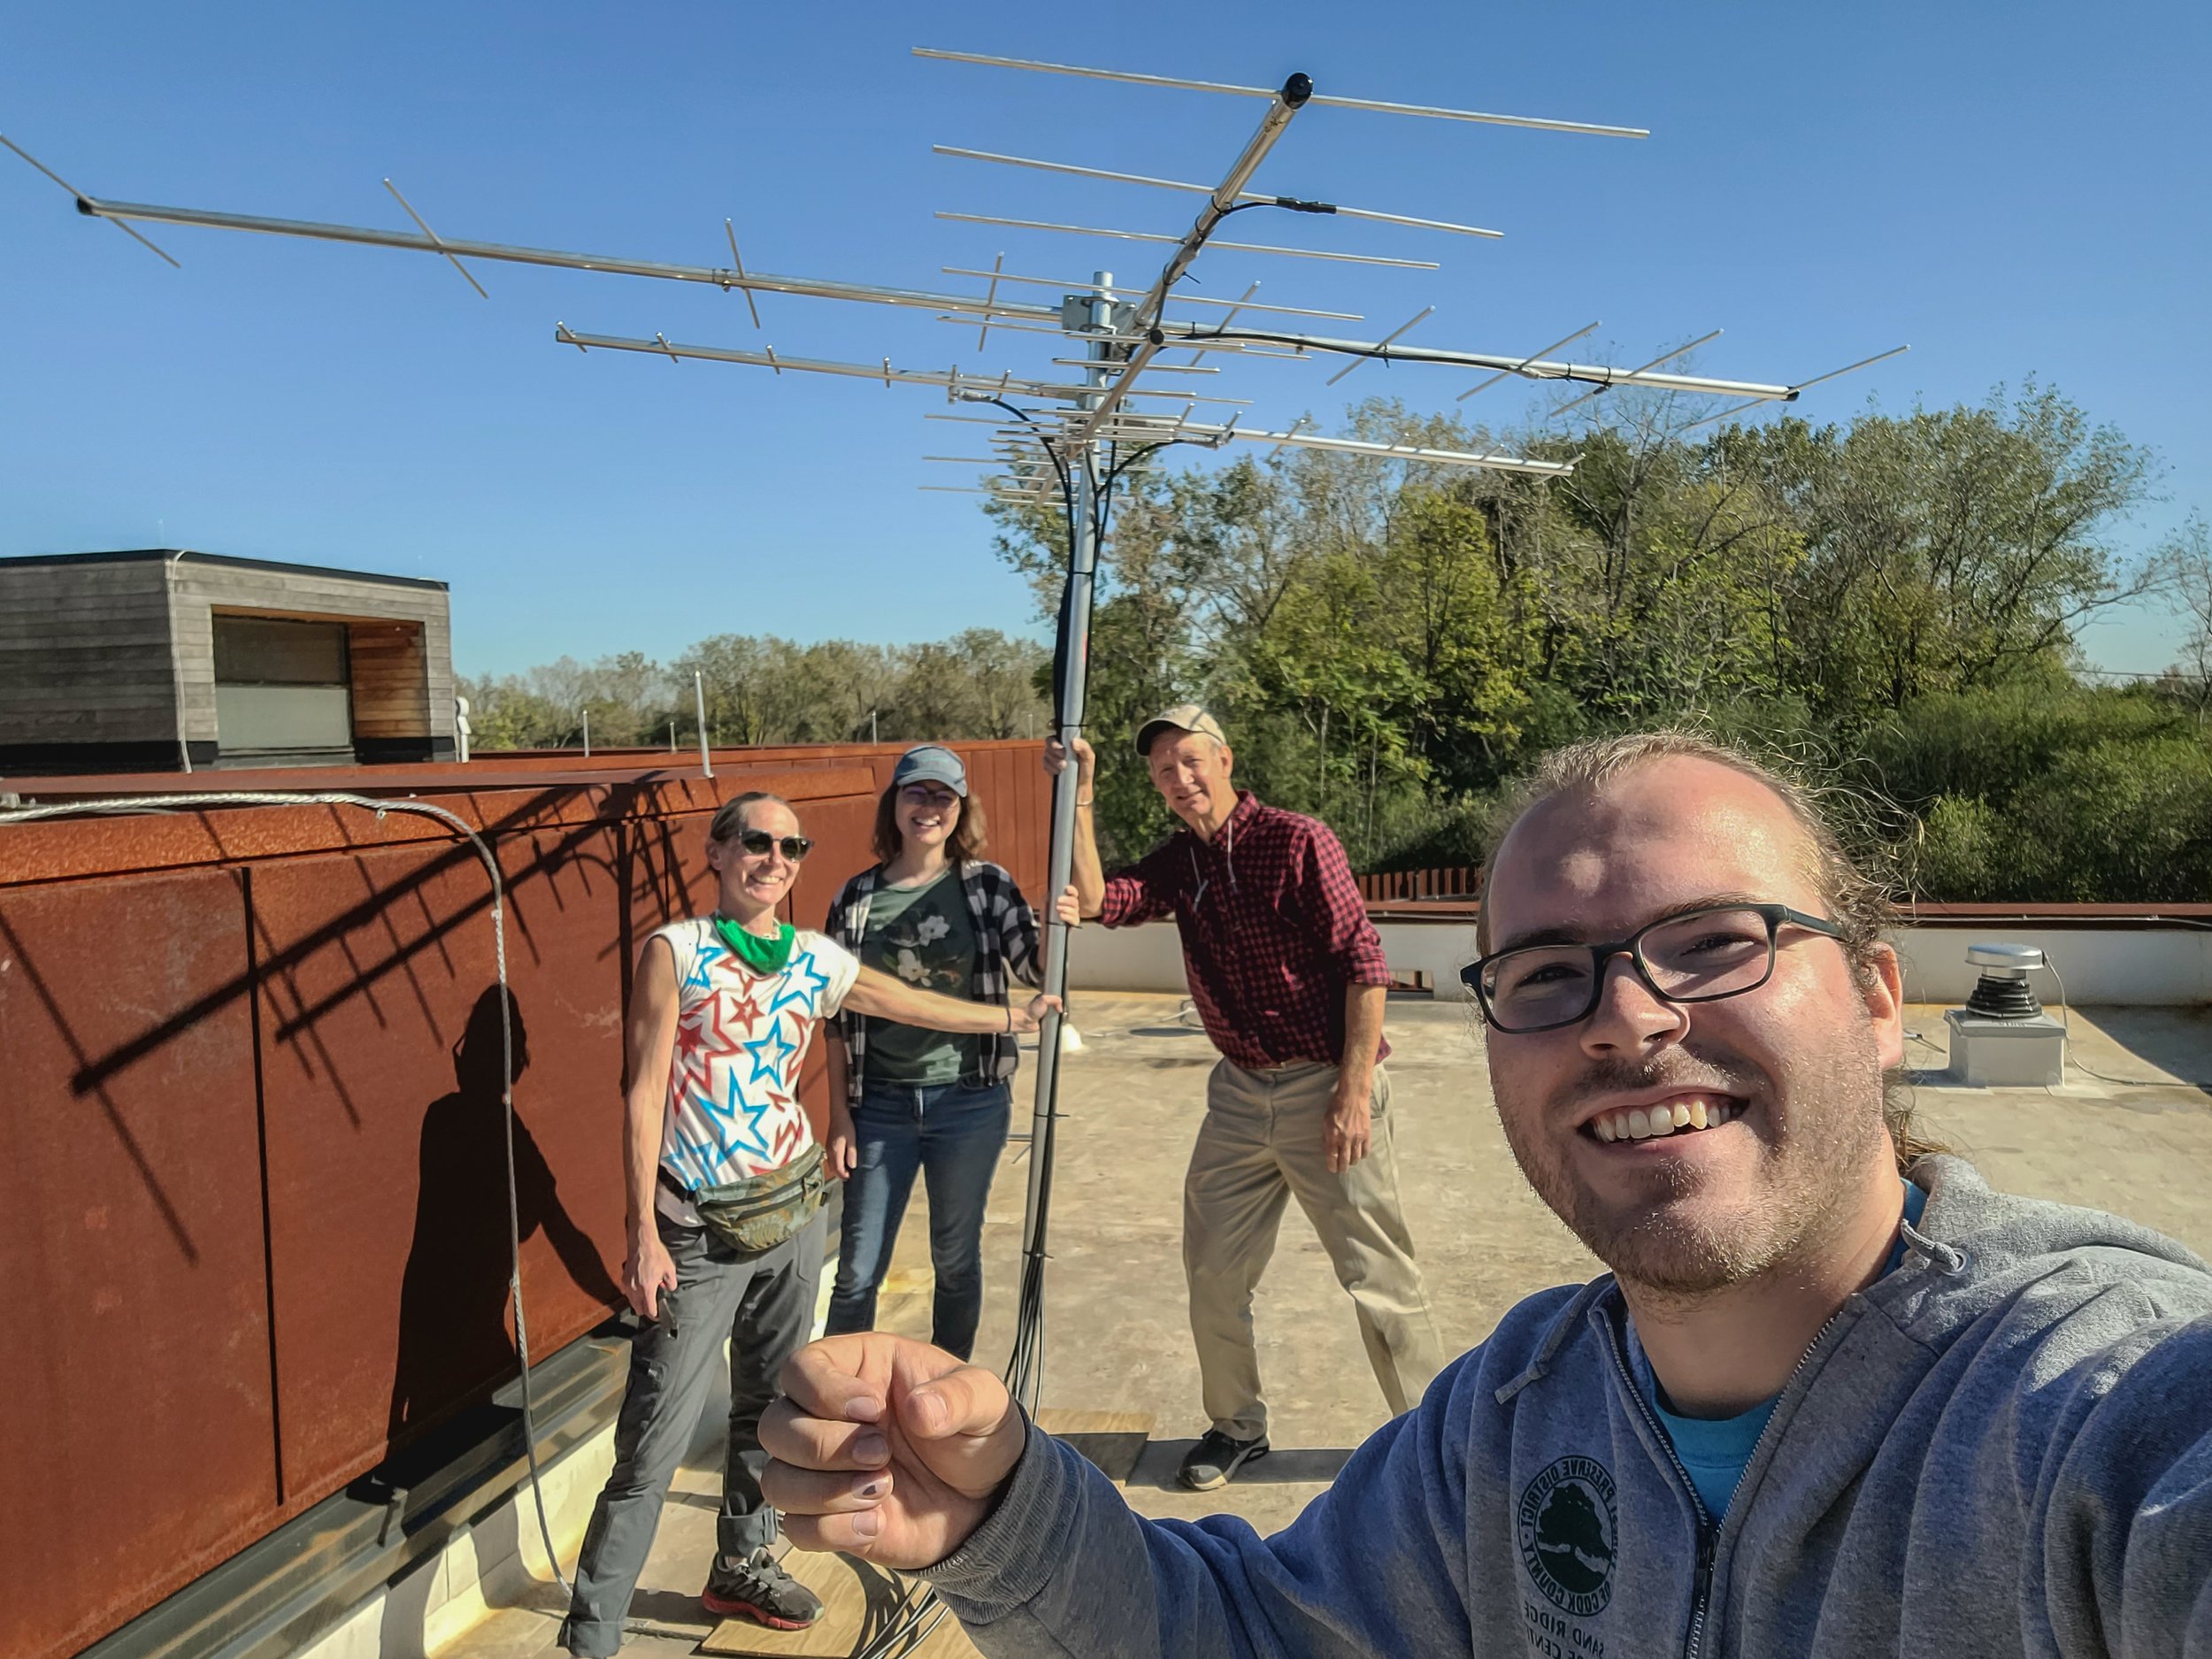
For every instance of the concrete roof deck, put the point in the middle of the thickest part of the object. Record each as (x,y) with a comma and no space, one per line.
(2135,1138)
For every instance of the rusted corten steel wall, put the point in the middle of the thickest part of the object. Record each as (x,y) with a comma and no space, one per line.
(1004,775)
(252,1193)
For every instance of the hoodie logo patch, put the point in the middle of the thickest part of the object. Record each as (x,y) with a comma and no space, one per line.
(1567,1530)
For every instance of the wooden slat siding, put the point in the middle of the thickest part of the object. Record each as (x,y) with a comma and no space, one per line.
(390,680)
(32,620)
(199,590)
(84,655)
(1449,882)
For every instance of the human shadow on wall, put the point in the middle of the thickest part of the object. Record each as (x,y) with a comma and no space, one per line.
(454,1340)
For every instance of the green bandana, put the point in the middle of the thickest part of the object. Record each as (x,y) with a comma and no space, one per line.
(761,955)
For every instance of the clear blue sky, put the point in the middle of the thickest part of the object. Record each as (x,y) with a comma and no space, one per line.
(2015,189)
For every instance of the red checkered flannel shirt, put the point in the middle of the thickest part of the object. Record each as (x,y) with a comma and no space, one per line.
(1273,930)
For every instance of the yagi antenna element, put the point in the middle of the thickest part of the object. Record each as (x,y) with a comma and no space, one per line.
(81,199)
(1249,198)
(1428,110)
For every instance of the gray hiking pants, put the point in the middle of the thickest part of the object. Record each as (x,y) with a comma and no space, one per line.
(764,1306)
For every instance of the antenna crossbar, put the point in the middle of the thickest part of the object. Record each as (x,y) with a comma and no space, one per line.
(1241,246)
(1598,374)
(952,379)
(1633,377)
(1219,205)
(1522,367)
(449,246)
(1428,110)
(1249,198)
(81,197)
(1848,368)
(1382,346)
(1180,299)
(1488,460)
(423,224)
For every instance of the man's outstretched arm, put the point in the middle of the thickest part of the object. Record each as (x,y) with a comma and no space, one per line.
(892,1450)
(2125,1533)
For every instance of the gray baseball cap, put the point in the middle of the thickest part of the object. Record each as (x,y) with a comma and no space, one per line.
(1184,717)
(931,762)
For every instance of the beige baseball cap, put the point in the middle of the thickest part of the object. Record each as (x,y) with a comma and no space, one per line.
(1184,717)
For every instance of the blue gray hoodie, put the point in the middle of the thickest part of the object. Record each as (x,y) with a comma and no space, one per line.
(2002,1447)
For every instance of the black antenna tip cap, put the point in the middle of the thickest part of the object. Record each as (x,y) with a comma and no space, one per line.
(1297,89)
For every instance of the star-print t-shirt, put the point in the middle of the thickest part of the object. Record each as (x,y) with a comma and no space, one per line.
(741,1038)
(1714,1450)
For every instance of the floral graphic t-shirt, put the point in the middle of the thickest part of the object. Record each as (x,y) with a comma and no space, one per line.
(741,1038)
(925,936)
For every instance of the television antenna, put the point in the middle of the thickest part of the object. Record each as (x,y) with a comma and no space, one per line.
(1143,360)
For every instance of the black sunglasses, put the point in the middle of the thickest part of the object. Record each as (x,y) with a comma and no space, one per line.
(758,842)
(1700,955)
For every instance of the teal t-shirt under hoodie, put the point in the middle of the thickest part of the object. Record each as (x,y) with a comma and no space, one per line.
(1716,1449)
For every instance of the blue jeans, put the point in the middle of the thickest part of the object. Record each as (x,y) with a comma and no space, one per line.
(953,1132)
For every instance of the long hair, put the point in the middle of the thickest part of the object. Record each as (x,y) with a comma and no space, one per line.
(967,841)
(1860,905)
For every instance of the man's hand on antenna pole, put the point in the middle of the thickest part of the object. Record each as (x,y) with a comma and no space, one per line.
(887,1448)
(1086,761)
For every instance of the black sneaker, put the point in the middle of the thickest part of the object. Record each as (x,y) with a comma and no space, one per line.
(1215,1459)
(758,1588)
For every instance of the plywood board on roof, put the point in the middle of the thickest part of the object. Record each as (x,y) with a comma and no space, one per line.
(858,1599)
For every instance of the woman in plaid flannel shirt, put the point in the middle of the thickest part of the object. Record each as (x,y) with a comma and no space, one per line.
(938,916)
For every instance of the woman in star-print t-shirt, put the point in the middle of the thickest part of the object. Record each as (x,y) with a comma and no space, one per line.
(723,1010)
(727,1035)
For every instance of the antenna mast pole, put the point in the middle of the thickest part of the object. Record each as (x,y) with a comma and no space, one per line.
(1075,645)
(1109,370)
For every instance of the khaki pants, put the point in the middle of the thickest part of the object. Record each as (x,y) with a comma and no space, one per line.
(1259,1145)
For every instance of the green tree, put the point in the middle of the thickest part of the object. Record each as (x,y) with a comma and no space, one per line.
(1950,549)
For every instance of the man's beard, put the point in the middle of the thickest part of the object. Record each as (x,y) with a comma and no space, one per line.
(1664,1239)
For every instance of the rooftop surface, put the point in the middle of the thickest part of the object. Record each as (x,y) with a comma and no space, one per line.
(2131,1132)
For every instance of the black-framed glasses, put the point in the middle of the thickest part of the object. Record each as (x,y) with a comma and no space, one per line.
(758,842)
(1698,956)
(941,795)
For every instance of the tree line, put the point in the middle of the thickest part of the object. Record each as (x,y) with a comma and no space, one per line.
(1892,602)
(981,683)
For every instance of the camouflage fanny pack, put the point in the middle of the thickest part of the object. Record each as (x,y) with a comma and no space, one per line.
(761,1211)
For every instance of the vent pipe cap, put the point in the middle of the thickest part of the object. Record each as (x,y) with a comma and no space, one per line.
(2007,959)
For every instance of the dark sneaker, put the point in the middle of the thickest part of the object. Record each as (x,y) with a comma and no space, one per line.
(758,1588)
(1215,1459)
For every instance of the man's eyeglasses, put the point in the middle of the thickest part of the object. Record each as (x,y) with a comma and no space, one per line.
(1698,956)
(758,842)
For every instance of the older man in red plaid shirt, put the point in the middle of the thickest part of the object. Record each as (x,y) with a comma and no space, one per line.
(1289,977)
